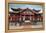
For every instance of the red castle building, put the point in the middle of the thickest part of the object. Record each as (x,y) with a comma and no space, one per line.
(26,15)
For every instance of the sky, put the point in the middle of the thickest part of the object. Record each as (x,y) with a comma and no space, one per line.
(23,6)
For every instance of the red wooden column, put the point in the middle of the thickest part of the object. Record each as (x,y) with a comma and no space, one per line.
(33,18)
(10,18)
(14,18)
(39,18)
(20,17)
(30,17)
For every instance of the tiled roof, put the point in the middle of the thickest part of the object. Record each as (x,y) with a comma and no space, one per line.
(19,10)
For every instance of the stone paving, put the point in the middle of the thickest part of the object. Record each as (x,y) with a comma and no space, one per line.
(25,26)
